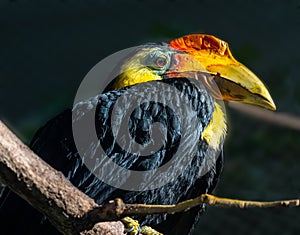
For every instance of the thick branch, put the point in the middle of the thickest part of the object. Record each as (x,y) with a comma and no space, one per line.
(46,189)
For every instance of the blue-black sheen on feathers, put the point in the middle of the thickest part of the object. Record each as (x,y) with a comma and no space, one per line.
(54,143)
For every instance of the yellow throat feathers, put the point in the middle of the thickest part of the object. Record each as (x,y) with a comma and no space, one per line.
(216,129)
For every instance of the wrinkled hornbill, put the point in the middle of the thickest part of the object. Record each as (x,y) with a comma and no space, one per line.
(196,71)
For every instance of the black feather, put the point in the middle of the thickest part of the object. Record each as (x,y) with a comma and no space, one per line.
(55,144)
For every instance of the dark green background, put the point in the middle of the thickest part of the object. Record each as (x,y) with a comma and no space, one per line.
(47,48)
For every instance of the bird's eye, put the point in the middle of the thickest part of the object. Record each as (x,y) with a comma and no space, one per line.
(158,61)
(161,61)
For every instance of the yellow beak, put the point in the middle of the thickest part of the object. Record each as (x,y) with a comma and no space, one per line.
(234,80)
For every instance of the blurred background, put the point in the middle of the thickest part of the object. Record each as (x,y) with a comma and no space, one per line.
(47,48)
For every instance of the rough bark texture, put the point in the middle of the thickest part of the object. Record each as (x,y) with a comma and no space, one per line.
(47,190)
(105,228)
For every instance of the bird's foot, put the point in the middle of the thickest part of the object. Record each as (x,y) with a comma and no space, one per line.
(146,230)
(132,227)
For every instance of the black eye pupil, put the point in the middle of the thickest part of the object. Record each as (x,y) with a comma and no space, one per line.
(161,61)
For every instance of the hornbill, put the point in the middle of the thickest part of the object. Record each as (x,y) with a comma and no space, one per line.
(196,69)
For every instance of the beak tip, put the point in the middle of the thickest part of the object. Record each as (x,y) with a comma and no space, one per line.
(273,107)
(269,104)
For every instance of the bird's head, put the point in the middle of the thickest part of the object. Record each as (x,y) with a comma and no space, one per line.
(197,56)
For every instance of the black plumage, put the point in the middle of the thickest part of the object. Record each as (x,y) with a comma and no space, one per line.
(54,143)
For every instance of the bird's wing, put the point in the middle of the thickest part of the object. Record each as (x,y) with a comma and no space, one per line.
(55,143)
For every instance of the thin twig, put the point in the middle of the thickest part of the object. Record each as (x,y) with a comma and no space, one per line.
(243,204)
(211,200)
(276,118)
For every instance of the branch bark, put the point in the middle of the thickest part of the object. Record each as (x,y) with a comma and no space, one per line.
(48,191)
(73,212)
(276,118)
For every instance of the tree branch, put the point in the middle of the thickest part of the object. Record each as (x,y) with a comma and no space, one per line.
(275,118)
(207,199)
(46,189)
(73,212)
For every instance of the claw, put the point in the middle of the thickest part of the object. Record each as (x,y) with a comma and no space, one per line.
(132,227)
(146,230)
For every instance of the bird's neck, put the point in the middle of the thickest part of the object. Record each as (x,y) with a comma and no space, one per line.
(215,132)
(135,76)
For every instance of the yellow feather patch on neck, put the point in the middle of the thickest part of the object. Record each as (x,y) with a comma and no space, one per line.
(134,76)
(216,129)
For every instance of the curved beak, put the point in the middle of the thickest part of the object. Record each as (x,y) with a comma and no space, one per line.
(209,58)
